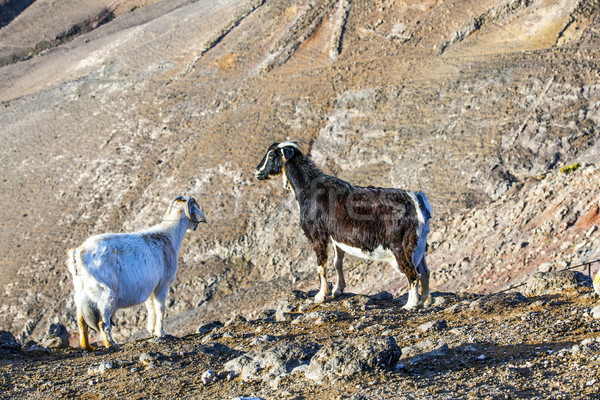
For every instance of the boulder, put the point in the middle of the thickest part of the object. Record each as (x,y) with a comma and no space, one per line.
(555,282)
(8,343)
(353,356)
(272,363)
(498,301)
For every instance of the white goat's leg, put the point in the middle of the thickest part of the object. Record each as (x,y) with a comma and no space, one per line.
(83,332)
(324,288)
(424,277)
(338,261)
(160,301)
(413,294)
(105,307)
(151,315)
(107,339)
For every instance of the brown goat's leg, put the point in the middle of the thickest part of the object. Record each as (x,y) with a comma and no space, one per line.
(413,294)
(338,261)
(424,277)
(83,333)
(404,264)
(324,288)
(321,250)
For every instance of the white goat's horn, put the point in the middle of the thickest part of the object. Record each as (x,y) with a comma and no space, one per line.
(187,209)
(173,203)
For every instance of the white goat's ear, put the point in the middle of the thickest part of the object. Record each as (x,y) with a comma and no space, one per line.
(178,198)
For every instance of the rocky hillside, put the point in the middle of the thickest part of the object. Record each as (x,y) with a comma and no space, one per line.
(357,347)
(478,103)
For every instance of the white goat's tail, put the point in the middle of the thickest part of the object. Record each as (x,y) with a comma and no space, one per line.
(87,307)
(72,261)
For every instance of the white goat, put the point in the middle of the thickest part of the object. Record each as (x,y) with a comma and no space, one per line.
(117,270)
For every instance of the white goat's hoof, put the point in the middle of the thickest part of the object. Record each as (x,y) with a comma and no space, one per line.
(337,293)
(113,347)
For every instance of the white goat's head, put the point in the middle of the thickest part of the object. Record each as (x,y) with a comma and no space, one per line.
(189,206)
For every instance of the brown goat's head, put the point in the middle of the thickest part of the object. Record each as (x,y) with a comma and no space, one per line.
(273,162)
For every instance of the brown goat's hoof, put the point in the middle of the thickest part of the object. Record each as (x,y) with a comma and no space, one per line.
(320,299)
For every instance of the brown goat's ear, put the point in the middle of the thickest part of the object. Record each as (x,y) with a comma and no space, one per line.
(288,153)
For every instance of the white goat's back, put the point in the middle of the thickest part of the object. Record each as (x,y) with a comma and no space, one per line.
(128,265)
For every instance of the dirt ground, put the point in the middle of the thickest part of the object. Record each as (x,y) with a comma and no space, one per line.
(466,346)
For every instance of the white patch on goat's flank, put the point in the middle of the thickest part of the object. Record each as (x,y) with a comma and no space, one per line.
(378,254)
(422,231)
(419,212)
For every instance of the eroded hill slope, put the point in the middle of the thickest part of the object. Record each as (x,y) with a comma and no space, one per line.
(470,101)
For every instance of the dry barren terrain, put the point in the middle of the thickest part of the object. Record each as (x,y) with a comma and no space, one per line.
(108,110)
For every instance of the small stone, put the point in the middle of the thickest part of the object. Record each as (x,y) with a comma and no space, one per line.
(208,377)
(235,320)
(55,342)
(208,327)
(263,339)
(383,296)
(101,368)
(433,326)
(149,358)
(211,336)
(33,347)
(353,356)
(596,312)
(56,337)
(247,398)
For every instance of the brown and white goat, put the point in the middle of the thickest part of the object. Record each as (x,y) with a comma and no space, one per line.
(368,222)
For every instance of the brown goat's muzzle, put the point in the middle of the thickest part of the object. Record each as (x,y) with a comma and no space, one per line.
(260,175)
